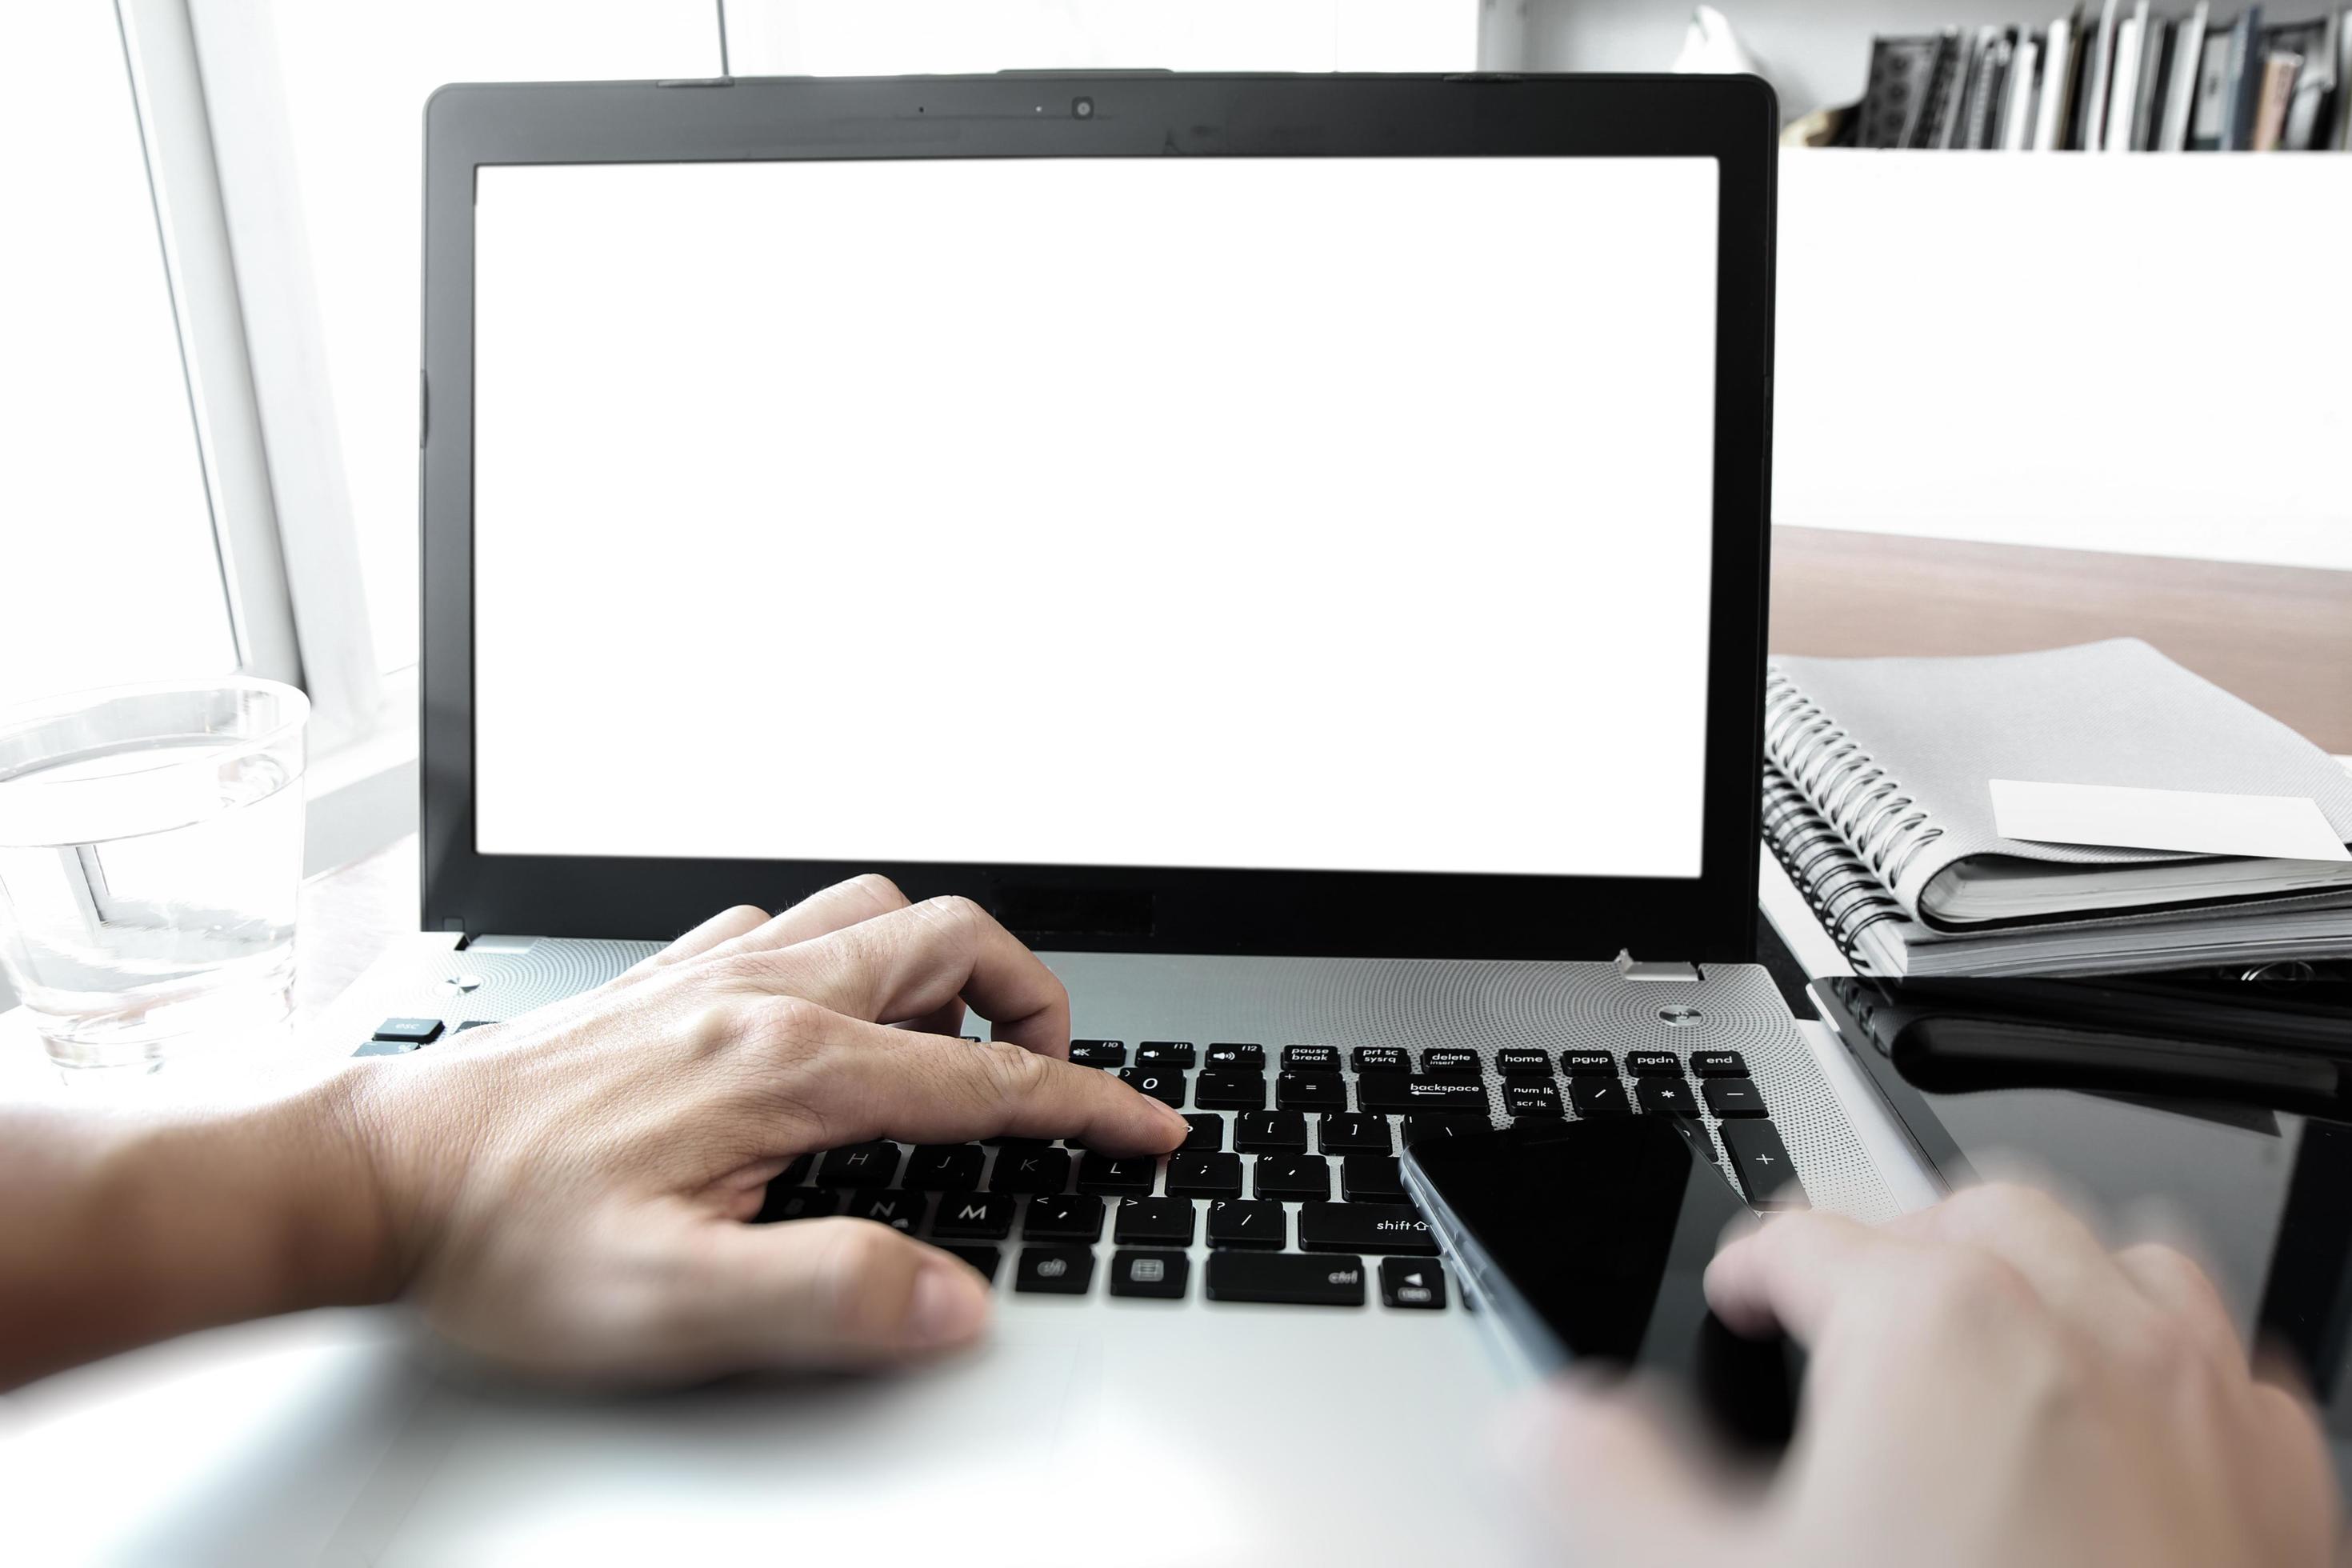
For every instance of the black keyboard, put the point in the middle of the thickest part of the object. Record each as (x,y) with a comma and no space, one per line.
(1290,1179)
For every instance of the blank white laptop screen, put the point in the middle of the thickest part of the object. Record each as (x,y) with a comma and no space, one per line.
(1283,514)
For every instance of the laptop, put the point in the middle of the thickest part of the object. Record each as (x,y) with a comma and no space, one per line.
(1294,549)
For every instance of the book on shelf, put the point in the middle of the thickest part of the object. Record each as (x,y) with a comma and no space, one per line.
(2181,71)
(2122,78)
(1879,803)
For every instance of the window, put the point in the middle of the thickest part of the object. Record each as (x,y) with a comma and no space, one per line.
(108,540)
(344,86)
(319,111)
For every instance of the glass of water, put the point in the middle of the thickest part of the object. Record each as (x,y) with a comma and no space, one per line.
(151,850)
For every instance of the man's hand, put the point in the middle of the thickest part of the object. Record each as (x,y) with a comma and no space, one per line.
(1986,1384)
(565,1193)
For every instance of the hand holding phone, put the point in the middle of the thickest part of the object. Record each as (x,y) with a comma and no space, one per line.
(1589,1242)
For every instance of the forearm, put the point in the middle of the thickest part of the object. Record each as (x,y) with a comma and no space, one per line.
(116,1231)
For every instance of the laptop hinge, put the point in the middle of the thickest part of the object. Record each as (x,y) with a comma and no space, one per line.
(1632,968)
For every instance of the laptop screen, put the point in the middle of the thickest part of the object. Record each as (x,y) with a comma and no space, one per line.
(1311,514)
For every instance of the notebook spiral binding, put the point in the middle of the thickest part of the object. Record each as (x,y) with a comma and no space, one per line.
(1842,826)
(1865,804)
(1844,896)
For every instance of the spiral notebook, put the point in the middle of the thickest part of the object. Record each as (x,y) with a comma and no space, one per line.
(1877,800)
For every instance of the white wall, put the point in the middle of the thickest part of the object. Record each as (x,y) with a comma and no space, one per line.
(2146,353)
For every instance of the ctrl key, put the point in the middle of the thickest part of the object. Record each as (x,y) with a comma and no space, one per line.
(1054,1270)
(1290,1277)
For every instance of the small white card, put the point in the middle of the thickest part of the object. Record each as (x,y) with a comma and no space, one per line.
(2274,827)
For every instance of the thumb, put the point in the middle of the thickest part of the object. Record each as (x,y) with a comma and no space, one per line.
(1612,1466)
(827,1293)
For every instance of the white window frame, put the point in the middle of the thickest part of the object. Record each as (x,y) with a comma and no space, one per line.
(239,268)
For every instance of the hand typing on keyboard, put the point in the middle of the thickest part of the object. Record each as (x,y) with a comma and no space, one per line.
(1986,1383)
(565,1193)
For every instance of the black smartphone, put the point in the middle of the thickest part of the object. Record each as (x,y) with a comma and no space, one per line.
(1589,1241)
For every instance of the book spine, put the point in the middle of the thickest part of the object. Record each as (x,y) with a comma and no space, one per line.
(1869,808)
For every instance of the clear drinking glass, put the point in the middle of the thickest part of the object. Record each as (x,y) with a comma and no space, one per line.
(151,850)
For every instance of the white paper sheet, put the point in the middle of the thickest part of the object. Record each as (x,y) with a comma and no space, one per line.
(2274,827)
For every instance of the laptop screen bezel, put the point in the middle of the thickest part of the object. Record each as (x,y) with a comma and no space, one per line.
(1732,119)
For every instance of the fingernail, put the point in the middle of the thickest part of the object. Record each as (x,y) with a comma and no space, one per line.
(948,1305)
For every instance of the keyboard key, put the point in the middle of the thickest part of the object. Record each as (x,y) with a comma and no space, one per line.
(1293,1176)
(1353,1132)
(1595,1098)
(984,1259)
(783,1203)
(1763,1165)
(1647,1062)
(1155,1222)
(1098,1053)
(985,1216)
(1371,1178)
(1730,1097)
(1031,1171)
(1313,1058)
(1270,1132)
(1407,1283)
(1364,1227)
(1054,1270)
(944,1167)
(1054,1217)
(1542,1119)
(1380,1058)
(1310,1091)
(1293,1279)
(1164,1053)
(872,1165)
(898,1209)
(1156,1275)
(1118,1178)
(1236,1054)
(1424,1125)
(1665,1096)
(1208,1135)
(1247,1222)
(1204,1176)
(1527,1098)
(412,1031)
(385,1047)
(1587,1064)
(1521,1060)
(1390,1091)
(1449,1061)
(1719,1064)
(1229,1089)
(1165,1085)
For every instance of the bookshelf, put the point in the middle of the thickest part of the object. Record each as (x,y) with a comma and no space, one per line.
(1816,52)
(2142,353)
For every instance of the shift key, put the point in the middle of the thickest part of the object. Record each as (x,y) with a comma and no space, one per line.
(1364,1227)
(1390,1091)
(1291,1278)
